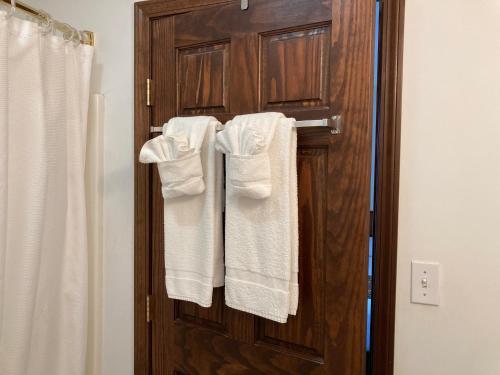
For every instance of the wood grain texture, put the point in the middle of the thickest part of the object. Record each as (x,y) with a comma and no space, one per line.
(349,166)
(153,9)
(327,336)
(203,79)
(308,52)
(163,54)
(387,187)
(213,317)
(264,15)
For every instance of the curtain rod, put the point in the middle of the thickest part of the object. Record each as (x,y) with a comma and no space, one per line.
(87,37)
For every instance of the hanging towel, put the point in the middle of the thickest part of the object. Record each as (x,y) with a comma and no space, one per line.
(191,176)
(261,215)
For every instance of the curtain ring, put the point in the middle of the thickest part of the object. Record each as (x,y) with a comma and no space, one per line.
(75,36)
(71,34)
(68,32)
(12,7)
(46,23)
(79,36)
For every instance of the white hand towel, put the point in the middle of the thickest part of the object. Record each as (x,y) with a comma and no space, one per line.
(261,215)
(191,174)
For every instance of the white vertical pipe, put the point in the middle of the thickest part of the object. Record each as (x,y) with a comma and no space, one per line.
(94,192)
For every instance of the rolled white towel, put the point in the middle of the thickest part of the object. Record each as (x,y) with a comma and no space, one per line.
(245,142)
(179,166)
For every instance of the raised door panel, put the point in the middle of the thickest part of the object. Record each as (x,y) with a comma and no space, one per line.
(203,79)
(294,69)
(213,317)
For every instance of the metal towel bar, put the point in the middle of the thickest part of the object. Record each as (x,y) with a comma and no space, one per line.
(334,123)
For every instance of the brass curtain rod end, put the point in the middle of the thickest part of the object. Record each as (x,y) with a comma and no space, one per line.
(89,38)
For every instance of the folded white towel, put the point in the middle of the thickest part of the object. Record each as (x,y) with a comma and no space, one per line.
(261,215)
(191,174)
(179,165)
(246,145)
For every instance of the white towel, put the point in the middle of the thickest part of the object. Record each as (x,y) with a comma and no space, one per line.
(261,215)
(191,174)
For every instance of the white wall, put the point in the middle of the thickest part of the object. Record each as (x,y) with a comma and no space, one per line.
(450,180)
(112,21)
(450,187)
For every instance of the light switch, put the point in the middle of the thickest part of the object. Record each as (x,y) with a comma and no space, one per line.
(425,283)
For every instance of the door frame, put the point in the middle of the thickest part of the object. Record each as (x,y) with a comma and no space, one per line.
(387,179)
(387,186)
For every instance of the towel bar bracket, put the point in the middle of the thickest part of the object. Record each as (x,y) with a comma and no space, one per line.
(156,129)
(336,127)
(334,123)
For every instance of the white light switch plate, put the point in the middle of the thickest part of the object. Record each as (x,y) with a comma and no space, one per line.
(425,283)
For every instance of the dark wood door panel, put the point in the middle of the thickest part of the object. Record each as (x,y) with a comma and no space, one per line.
(308,59)
(213,317)
(294,67)
(203,79)
(198,352)
(262,16)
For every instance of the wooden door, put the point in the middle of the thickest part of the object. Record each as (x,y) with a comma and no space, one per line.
(309,59)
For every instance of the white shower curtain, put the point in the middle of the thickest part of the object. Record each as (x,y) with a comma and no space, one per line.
(44,85)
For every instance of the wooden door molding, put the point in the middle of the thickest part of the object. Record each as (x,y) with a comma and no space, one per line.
(142,179)
(387,186)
